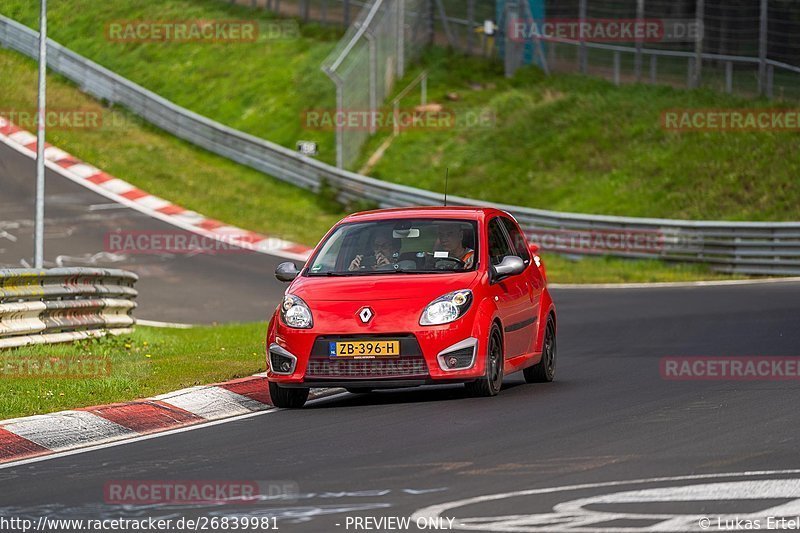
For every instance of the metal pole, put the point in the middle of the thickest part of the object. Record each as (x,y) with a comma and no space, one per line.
(640,21)
(38,255)
(401,38)
(582,59)
(698,45)
(373,81)
(762,48)
(471,25)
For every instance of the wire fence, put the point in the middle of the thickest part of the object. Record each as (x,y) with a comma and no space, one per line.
(742,247)
(373,54)
(746,47)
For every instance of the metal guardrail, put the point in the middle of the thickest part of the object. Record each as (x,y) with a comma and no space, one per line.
(64,304)
(740,247)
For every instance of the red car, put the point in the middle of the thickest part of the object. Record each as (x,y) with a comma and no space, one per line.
(407,297)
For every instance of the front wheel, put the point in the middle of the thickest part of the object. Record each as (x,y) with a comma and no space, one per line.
(287,398)
(545,370)
(489,384)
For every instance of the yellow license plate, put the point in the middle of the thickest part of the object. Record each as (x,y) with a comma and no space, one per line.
(376,348)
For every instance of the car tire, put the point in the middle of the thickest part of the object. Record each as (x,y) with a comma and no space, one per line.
(490,383)
(545,370)
(287,398)
(358,390)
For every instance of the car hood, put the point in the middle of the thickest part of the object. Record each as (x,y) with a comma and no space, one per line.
(380,287)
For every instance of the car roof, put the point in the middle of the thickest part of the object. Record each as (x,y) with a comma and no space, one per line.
(454,212)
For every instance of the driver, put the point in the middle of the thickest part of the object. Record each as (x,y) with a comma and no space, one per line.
(385,247)
(450,238)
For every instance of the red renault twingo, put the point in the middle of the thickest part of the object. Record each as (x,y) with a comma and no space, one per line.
(407,297)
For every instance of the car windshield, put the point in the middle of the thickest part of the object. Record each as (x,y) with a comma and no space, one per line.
(398,247)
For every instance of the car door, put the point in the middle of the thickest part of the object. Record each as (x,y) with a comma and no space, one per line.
(510,293)
(533,277)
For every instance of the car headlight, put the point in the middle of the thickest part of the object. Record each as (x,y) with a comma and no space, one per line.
(447,308)
(295,313)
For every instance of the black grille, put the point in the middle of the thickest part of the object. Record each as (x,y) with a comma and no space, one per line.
(367,368)
(463,358)
(277,360)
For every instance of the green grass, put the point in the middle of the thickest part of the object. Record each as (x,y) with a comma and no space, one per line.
(145,363)
(573,143)
(564,142)
(259,87)
(166,166)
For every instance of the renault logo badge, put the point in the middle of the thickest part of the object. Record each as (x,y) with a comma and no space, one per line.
(366,314)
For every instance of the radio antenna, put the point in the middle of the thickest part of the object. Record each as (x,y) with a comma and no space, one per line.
(446,175)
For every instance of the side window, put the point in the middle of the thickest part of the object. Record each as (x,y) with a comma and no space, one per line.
(518,240)
(498,244)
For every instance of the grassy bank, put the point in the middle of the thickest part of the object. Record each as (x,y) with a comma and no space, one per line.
(145,363)
(564,142)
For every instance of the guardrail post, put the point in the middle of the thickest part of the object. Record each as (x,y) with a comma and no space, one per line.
(653,68)
(762,47)
(770,79)
(729,77)
(616,67)
(347,12)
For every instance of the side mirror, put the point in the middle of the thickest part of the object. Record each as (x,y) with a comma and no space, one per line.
(510,266)
(286,272)
(534,248)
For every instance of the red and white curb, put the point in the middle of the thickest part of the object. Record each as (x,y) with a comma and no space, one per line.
(124,193)
(41,435)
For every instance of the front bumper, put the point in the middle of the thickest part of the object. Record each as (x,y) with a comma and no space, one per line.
(429,355)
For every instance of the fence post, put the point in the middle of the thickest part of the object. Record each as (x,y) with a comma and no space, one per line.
(582,58)
(305,10)
(471,25)
(401,38)
(347,13)
(640,21)
(698,45)
(373,80)
(339,124)
(762,48)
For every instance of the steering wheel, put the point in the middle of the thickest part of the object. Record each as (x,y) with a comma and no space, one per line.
(459,263)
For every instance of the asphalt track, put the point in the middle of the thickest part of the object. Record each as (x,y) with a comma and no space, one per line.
(232,286)
(608,417)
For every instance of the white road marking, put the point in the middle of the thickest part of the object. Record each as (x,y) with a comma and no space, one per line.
(573,516)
